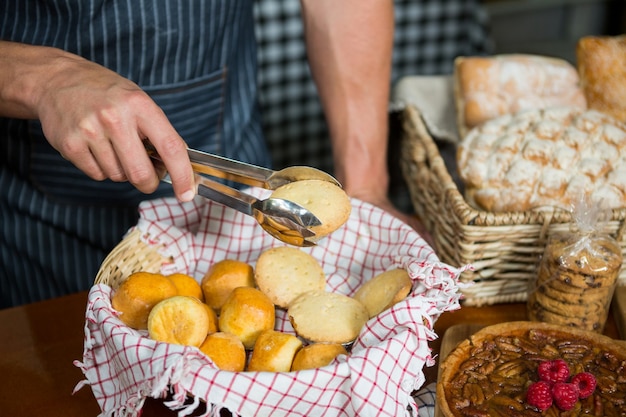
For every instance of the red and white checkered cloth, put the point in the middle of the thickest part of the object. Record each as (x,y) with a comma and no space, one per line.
(124,367)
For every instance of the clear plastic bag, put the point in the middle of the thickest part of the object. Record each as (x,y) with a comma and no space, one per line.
(577,273)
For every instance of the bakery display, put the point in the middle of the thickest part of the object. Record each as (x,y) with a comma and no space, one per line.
(230,314)
(601,62)
(544,157)
(327,201)
(493,372)
(285,272)
(491,86)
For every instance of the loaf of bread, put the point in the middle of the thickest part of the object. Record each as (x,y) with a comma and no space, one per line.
(601,62)
(492,86)
(546,157)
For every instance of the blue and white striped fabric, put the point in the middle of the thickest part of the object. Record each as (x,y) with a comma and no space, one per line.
(197,59)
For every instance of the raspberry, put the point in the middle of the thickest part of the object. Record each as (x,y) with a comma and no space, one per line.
(586,383)
(565,395)
(553,371)
(539,395)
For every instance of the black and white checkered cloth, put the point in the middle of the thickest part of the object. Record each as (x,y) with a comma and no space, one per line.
(429,34)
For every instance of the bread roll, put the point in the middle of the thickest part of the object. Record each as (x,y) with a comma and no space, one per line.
(225,350)
(274,352)
(187,285)
(492,86)
(284,272)
(138,294)
(384,290)
(246,313)
(317,355)
(223,277)
(181,320)
(601,62)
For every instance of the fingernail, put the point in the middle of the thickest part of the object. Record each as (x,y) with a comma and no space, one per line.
(187,196)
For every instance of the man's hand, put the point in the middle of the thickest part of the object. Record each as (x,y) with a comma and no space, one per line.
(94,117)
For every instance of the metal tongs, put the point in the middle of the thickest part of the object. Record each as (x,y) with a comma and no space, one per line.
(283,219)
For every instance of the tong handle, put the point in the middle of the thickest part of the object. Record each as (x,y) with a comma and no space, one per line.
(229,169)
(226,195)
(222,167)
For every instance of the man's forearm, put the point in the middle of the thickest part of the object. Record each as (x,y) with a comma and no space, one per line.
(22,66)
(349,45)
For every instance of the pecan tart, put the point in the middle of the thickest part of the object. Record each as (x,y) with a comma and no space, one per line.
(489,374)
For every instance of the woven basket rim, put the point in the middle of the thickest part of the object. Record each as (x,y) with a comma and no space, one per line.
(132,254)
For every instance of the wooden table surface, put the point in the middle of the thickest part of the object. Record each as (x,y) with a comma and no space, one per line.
(39,342)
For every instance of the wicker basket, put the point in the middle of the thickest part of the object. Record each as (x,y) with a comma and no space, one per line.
(130,255)
(504,248)
(123,366)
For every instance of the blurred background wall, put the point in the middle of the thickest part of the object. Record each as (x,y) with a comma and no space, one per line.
(551,27)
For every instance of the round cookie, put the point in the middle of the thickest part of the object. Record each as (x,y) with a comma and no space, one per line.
(283,273)
(580,297)
(384,290)
(320,316)
(586,323)
(592,307)
(327,201)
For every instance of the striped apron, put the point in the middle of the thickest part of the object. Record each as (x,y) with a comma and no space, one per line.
(195,58)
